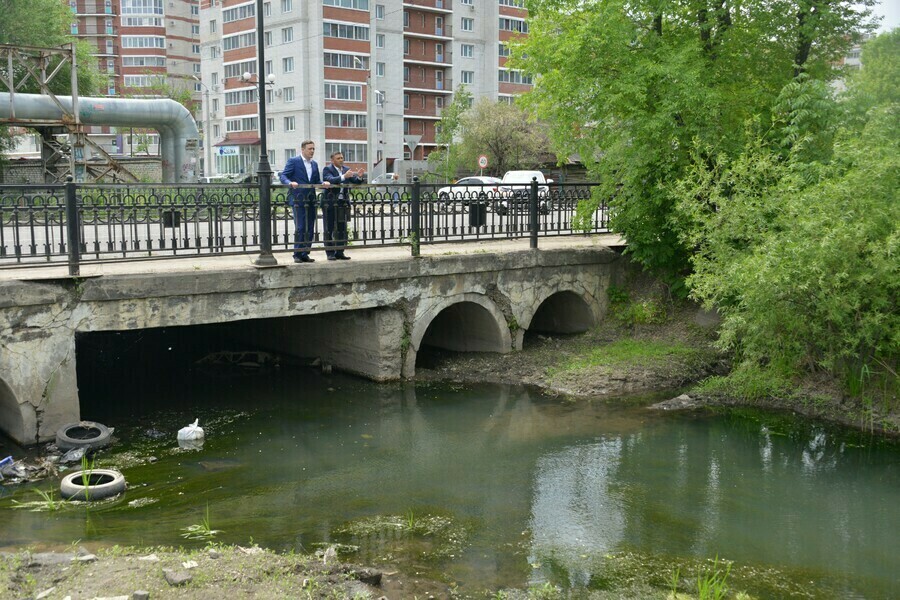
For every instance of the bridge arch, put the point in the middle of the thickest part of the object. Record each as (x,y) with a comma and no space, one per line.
(11,419)
(466,322)
(562,310)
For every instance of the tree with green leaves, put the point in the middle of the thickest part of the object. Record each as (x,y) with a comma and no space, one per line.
(505,134)
(45,23)
(445,160)
(645,91)
(796,239)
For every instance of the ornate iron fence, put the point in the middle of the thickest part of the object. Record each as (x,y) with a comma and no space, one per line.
(75,223)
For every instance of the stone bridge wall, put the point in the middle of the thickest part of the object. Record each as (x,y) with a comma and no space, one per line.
(366,318)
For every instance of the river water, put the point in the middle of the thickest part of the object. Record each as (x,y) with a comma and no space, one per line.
(490,486)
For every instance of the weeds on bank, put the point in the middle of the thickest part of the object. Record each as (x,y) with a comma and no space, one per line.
(711,583)
(47,502)
(202,530)
(87,469)
(626,352)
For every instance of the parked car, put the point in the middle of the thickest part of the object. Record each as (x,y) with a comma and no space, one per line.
(389,191)
(515,188)
(470,188)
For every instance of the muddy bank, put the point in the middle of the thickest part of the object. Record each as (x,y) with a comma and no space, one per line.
(212,573)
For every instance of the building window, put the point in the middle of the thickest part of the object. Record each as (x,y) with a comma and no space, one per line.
(287,64)
(347,32)
(379,69)
(353,153)
(287,35)
(357,4)
(215,105)
(406,127)
(287,6)
(289,154)
(343,91)
(290,123)
(212,26)
(467,50)
(405,100)
(197,68)
(406,46)
(503,49)
(345,120)
(379,125)
(270,96)
(405,18)
(513,3)
(511,76)
(217,131)
(241,40)
(270,125)
(379,40)
(241,124)
(288,94)
(517,25)
(406,74)
(347,61)
(143,41)
(143,61)
(468,77)
(267,9)
(267,36)
(468,24)
(247,11)
(195,29)
(379,12)
(270,68)
(237,69)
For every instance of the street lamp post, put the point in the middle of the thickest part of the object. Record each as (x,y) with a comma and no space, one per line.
(370,126)
(264,171)
(207,132)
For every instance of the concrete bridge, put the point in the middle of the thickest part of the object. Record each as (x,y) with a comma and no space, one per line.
(370,316)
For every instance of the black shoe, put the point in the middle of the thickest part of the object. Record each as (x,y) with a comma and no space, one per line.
(297,259)
(341,257)
(333,257)
(307,259)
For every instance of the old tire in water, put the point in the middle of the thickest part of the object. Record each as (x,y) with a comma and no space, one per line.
(86,434)
(101,484)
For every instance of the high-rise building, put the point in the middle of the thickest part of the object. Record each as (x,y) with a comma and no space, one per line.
(367,77)
(147,48)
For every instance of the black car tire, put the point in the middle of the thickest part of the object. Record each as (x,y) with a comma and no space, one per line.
(85,434)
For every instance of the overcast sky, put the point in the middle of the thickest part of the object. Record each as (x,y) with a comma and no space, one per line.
(890,10)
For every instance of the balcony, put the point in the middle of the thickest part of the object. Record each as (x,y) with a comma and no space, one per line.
(434,6)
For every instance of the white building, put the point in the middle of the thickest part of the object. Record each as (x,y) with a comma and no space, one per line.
(367,77)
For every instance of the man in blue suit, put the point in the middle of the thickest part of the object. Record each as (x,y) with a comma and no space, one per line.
(303,170)
(336,206)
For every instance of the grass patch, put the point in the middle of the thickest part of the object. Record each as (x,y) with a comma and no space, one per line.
(626,352)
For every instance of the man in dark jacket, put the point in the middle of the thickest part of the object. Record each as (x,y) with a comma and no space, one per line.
(303,170)
(336,206)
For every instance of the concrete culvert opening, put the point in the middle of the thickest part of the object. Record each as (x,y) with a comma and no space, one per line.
(461,327)
(563,313)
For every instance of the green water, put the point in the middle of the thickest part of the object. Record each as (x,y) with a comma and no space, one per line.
(519,488)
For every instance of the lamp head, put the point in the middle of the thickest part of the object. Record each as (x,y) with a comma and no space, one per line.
(246,76)
(271,78)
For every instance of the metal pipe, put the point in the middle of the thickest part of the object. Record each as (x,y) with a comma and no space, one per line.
(179,137)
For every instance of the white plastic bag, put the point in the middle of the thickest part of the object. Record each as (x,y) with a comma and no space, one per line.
(190,433)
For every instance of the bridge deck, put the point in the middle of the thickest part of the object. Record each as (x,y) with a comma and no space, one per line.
(209,263)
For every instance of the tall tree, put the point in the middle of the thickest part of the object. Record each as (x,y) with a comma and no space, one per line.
(445,160)
(45,23)
(505,134)
(644,89)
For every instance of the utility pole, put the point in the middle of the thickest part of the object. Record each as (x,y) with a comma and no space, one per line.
(208,169)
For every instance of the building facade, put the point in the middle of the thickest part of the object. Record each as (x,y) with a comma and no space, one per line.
(367,77)
(147,48)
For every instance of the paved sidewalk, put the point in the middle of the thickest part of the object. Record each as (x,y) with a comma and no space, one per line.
(208,262)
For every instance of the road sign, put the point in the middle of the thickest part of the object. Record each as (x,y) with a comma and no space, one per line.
(482,162)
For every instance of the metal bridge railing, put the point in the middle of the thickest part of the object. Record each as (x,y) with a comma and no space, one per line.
(82,223)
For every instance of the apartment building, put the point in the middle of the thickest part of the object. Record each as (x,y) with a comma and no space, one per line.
(367,77)
(140,44)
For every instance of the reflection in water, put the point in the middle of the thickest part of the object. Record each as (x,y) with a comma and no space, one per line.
(290,458)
